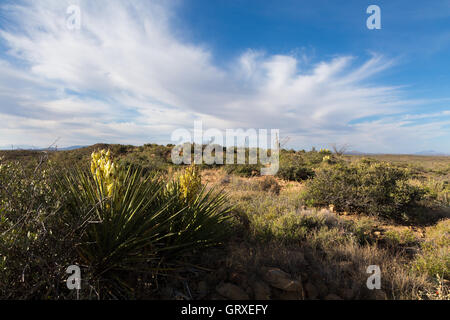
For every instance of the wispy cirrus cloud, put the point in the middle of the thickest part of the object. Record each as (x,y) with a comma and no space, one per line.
(127,76)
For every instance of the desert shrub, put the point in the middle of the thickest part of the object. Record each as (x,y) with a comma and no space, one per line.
(293,167)
(362,229)
(300,166)
(35,242)
(364,187)
(149,159)
(290,227)
(400,238)
(270,184)
(313,158)
(438,191)
(293,172)
(243,170)
(439,291)
(434,258)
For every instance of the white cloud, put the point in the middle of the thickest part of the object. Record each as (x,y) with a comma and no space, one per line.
(125,77)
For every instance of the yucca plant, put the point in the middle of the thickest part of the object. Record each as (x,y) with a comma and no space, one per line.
(205,211)
(131,221)
(203,221)
(123,231)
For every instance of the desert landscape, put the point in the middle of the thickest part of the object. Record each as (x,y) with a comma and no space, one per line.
(143,228)
(224,158)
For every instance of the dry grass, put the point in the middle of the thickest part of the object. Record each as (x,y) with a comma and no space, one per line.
(319,246)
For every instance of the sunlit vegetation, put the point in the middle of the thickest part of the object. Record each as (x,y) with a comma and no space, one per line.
(140,227)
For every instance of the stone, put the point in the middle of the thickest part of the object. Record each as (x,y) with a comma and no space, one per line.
(277,278)
(232,292)
(261,290)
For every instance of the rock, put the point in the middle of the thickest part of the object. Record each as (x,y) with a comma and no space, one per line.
(333,296)
(277,278)
(311,291)
(232,292)
(261,290)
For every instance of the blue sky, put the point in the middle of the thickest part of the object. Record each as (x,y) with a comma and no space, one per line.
(137,70)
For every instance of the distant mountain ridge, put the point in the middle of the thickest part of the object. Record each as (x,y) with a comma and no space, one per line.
(430,153)
(33,148)
(71,148)
(421,153)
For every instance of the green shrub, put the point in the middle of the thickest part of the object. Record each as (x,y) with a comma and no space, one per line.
(300,165)
(295,172)
(364,187)
(438,191)
(434,258)
(36,244)
(243,170)
(403,238)
(290,227)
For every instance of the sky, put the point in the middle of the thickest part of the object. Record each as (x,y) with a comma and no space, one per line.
(135,71)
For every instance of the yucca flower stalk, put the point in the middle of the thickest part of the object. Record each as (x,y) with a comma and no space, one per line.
(190,183)
(187,185)
(104,171)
